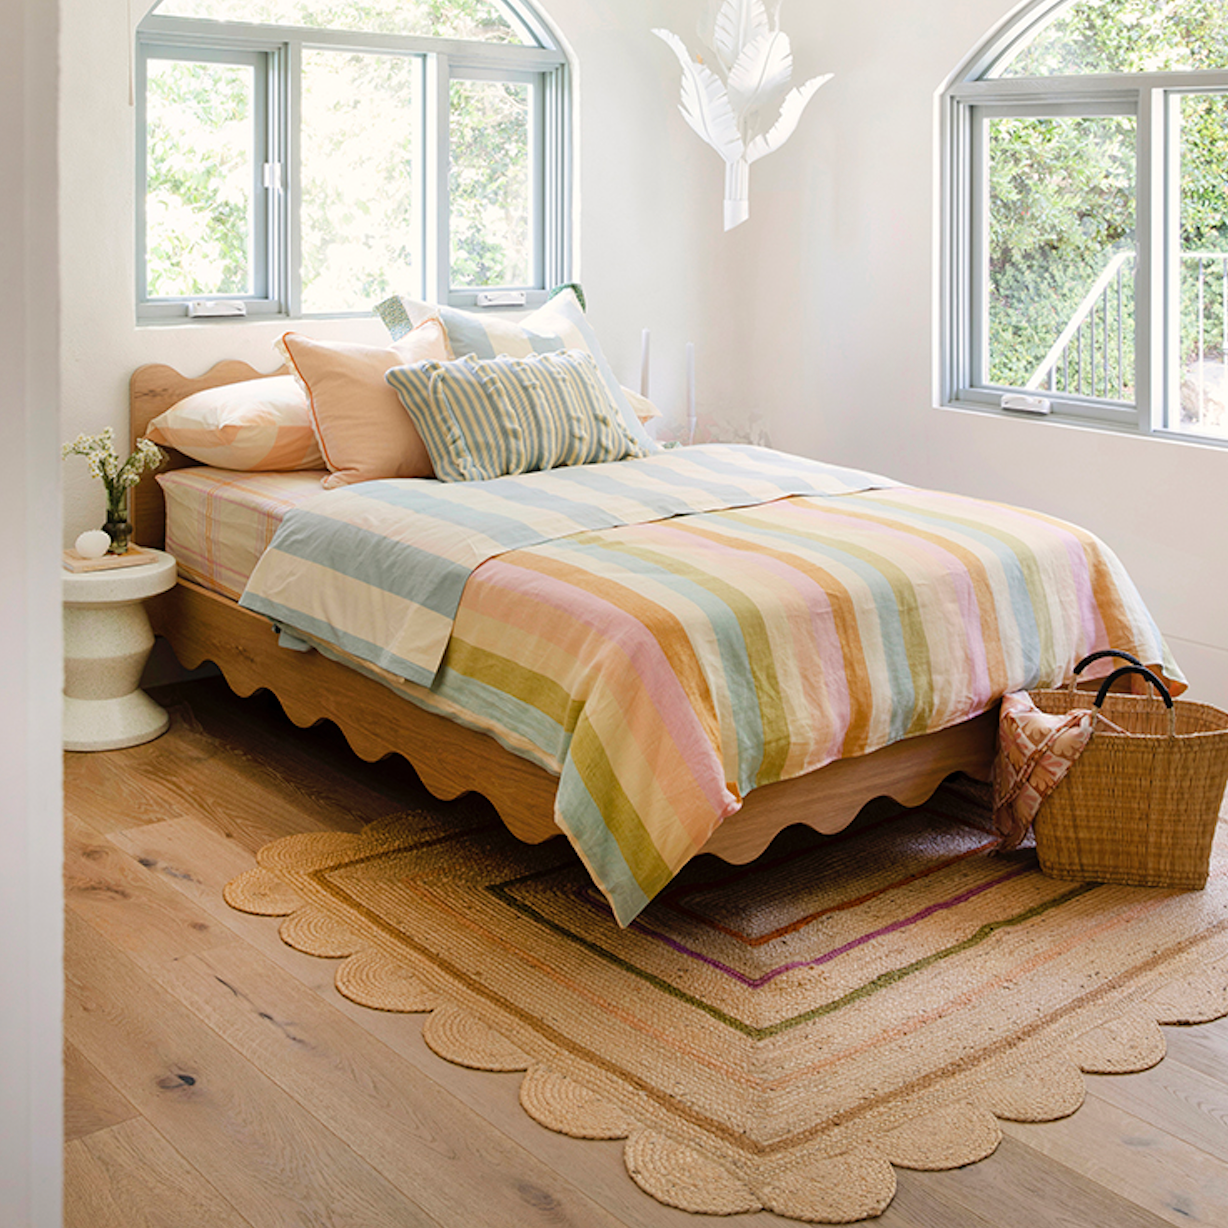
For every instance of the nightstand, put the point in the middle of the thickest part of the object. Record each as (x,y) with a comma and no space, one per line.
(107,639)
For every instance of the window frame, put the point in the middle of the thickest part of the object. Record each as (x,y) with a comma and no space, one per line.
(442,60)
(1152,98)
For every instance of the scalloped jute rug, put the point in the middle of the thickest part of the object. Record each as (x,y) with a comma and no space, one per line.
(781,1035)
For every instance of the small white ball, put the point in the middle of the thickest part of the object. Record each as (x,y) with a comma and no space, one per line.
(93,543)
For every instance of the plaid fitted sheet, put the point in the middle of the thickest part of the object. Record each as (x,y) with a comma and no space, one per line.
(219,521)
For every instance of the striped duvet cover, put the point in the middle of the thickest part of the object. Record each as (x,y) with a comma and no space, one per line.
(667,634)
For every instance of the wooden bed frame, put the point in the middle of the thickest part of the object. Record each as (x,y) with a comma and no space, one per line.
(452,759)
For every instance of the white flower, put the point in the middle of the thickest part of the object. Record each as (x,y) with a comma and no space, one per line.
(104,463)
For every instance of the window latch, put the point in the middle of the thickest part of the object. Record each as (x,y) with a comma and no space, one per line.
(1026,404)
(272,176)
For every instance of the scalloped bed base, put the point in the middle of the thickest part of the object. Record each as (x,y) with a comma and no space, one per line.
(782,1036)
(452,759)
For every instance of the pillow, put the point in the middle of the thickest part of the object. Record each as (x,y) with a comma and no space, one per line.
(363,432)
(644,410)
(557,325)
(253,424)
(483,418)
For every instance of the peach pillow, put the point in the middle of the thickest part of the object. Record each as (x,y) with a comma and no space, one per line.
(255,424)
(363,430)
(641,406)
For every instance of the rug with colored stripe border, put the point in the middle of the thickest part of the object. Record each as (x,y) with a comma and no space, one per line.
(780,1035)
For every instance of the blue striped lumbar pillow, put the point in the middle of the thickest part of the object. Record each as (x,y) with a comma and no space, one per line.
(484,418)
(559,324)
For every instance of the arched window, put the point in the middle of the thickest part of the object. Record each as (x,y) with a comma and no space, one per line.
(311,157)
(1085,185)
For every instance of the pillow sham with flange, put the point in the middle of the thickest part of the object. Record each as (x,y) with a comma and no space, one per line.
(254,424)
(362,430)
(486,418)
(559,324)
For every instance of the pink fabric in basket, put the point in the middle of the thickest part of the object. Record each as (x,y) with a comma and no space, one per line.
(1035,750)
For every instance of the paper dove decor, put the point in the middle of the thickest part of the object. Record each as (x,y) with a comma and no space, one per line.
(753,110)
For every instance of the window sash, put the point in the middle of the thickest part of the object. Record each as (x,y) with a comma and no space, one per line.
(442,60)
(264,296)
(1151,97)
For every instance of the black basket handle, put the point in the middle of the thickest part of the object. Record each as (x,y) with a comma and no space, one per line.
(1099,656)
(1165,695)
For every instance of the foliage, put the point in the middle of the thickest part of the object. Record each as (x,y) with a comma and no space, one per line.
(481,20)
(362,188)
(1062,189)
(489,184)
(1128,36)
(1061,202)
(200,133)
(361,224)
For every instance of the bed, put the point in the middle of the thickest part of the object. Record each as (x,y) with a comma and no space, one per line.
(453,756)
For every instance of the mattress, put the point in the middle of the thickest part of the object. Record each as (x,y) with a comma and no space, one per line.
(219,522)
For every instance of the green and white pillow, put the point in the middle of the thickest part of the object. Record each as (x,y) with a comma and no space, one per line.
(486,418)
(559,324)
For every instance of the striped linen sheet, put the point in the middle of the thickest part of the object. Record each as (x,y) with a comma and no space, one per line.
(663,669)
(378,569)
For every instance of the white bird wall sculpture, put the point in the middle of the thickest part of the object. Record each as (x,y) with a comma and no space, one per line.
(748,109)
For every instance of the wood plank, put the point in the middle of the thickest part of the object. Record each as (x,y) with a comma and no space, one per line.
(1018,1185)
(130,1175)
(1132,1157)
(596,1166)
(1160,1170)
(1180,1101)
(185,773)
(1203,1048)
(380,1105)
(316,760)
(91,1102)
(120,788)
(251,1141)
(137,911)
(920,1203)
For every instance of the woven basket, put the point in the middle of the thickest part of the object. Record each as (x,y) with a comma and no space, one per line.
(1139,806)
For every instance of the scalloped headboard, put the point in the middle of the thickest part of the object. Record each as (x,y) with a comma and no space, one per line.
(152,390)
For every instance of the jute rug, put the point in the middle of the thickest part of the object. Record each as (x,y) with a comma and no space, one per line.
(782,1035)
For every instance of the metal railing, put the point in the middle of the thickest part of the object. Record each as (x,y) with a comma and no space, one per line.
(1204,348)
(1094,354)
(1091,357)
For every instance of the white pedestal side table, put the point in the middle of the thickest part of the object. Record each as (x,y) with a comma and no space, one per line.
(107,639)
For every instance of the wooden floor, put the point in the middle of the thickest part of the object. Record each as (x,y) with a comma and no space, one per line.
(216,1079)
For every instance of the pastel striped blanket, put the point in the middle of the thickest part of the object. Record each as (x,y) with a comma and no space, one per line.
(664,668)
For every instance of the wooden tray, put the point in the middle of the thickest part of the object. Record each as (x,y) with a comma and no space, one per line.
(134,556)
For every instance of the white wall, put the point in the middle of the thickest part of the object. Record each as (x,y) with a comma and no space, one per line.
(31,1117)
(815,315)
(843,227)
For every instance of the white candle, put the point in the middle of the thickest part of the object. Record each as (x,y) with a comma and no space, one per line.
(644,363)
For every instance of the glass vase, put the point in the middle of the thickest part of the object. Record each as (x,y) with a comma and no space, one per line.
(118,527)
